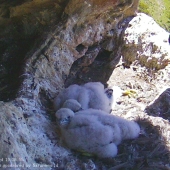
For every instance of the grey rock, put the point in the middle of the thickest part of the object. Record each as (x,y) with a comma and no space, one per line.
(145,42)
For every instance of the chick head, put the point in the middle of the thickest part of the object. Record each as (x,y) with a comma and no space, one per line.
(64,116)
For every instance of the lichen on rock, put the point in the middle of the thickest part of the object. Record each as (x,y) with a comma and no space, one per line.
(146,44)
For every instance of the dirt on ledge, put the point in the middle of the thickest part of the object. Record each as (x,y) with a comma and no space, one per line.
(152,149)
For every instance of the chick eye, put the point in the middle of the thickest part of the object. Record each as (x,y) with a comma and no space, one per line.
(68,117)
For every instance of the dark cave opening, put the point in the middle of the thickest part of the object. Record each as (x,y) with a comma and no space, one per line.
(12,60)
(98,70)
(20,34)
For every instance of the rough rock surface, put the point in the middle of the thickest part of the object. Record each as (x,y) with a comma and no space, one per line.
(146,42)
(22,26)
(82,48)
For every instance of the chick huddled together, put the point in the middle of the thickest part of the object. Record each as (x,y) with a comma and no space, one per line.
(90,95)
(86,125)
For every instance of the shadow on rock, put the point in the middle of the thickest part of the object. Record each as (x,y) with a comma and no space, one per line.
(161,106)
(149,151)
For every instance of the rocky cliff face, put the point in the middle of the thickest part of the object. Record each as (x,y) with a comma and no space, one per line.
(76,29)
(148,46)
(48,45)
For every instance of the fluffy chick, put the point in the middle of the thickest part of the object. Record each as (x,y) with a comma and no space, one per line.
(94,131)
(72,104)
(76,92)
(126,129)
(89,95)
(113,93)
(98,98)
(84,133)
